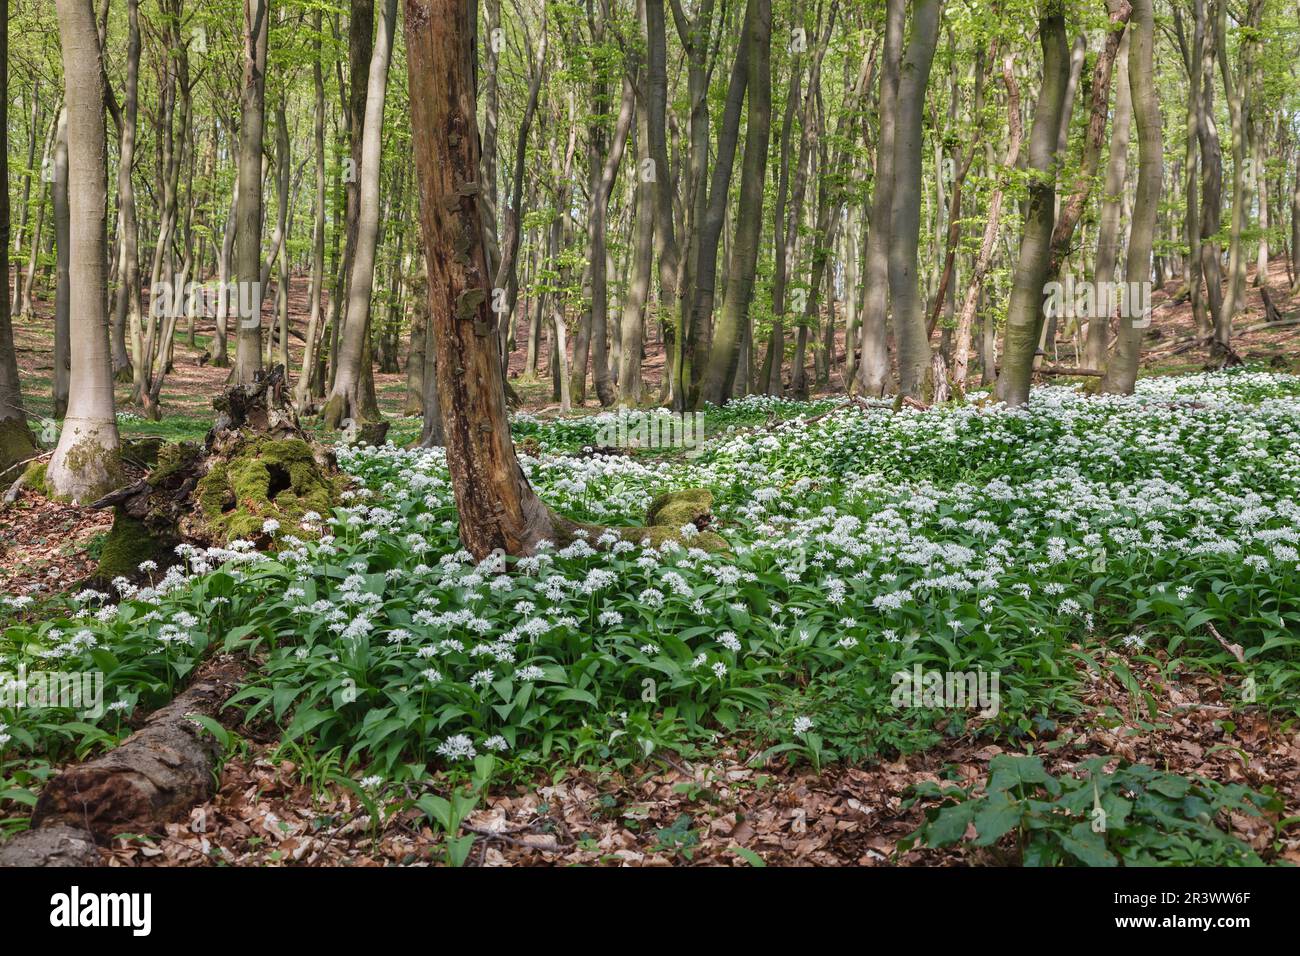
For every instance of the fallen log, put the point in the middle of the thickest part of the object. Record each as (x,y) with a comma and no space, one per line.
(58,845)
(1068,370)
(154,776)
(1062,370)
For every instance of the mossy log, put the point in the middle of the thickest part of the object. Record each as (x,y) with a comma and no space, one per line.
(260,479)
(666,518)
(669,513)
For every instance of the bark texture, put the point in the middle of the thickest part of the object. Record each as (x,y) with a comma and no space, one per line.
(154,777)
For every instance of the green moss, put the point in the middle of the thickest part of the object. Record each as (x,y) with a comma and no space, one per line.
(16,446)
(672,511)
(265,478)
(129,543)
(659,533)
(171,459)
(34,477)
(144,450)
(677,508)
(88,458)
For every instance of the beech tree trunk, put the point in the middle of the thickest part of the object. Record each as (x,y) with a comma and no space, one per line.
(127,304)
(16,441)
(1295,227)
(302,387)
(1121,369)
(873,366)
(1191,48)
(603,172)
(905,209)
(632,324)
(720,373)
(1025,309)
(345,401)
(1207,131)
(248,242)
(679,370)
(1108,232)
(62,353)
(85,464)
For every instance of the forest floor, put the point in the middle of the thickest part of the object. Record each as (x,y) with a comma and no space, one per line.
(675,811)
(190,386)
(710,804)
(46,544)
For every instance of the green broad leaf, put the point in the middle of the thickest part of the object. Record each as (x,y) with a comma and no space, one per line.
(573,693)
(996,817)
(749,856)
(1087,847)
(306,720)
(213,727)
(949,824)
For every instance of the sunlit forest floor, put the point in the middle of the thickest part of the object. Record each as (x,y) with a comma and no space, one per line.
(1128,566)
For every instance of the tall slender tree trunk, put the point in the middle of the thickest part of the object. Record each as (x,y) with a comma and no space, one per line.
(1108,232)
(1211,191)
(680,371)
(720,374)
(1191,49)
(718,195)
(873,366)
(905,208)
(345,399)
(302,387)
(62,348)
(248,241)
(1238,101)
(16,441)
(26,297)
(603,171)
(1025,310)
(225,259)
(86,462)
(1121,369)
(1295,226)
(632,323)
(505,290)
(32,137)
(127,304)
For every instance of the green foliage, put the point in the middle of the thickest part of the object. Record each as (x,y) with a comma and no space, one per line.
(1135,815)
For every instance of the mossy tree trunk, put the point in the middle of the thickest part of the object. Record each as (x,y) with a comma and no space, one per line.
(1121,370)
(910,334)
(1025,308)
(248,229)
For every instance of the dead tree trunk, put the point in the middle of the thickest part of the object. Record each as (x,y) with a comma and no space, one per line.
(498,508)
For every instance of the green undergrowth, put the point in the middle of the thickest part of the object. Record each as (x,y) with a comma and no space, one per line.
(1032,546)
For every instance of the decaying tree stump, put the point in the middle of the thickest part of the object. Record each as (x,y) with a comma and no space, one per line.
(255,464)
